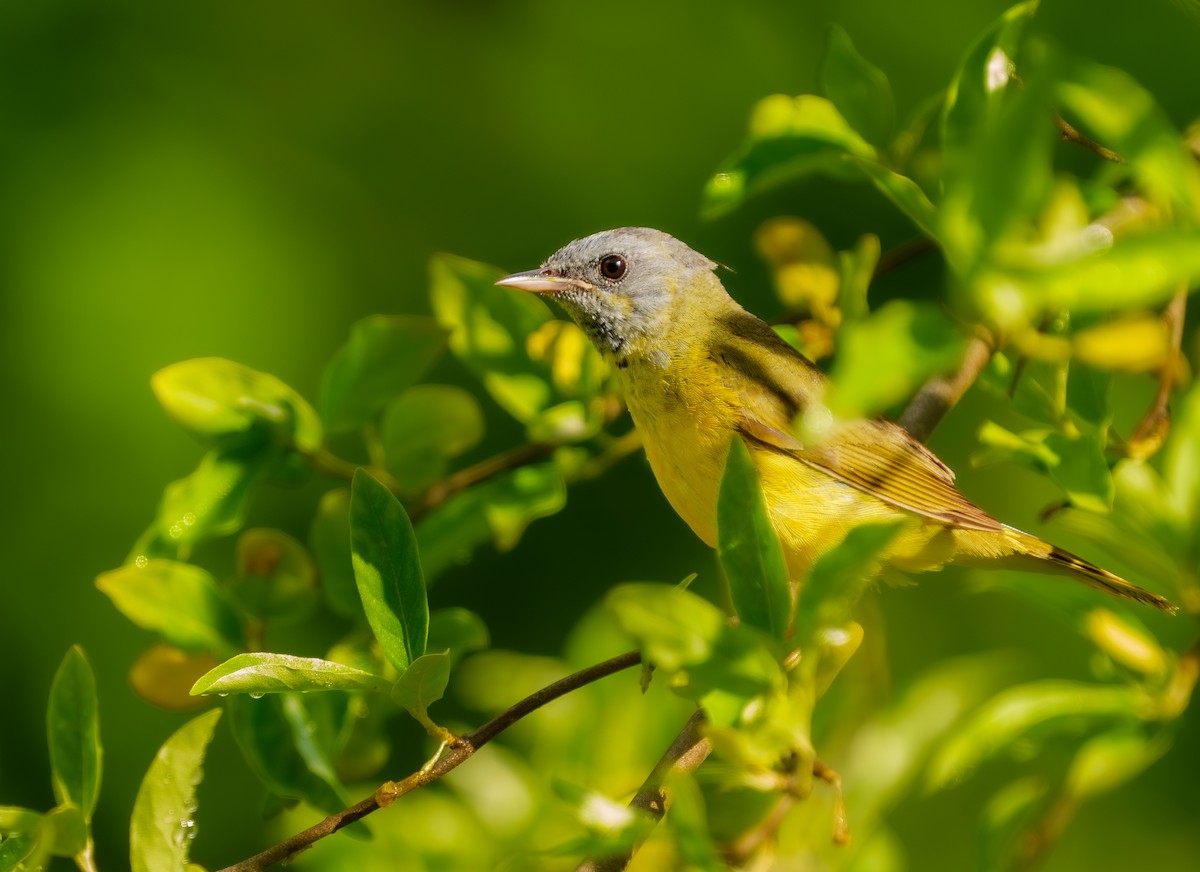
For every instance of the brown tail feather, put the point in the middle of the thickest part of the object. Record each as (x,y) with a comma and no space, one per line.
(1053,559)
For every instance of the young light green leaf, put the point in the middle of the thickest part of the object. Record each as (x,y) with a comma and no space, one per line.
(458,631)
(1044,706)
(838,578)
(73,734)
(177,600)
(749,548)
(489,328)
(210,502)
(424,428)
(885,357)
(857,268)
(260,673)
(329,539)
(384,355)
(387,570)
(1181,461)
(67,834)
(217,399)
(858,88)
(423,684)
(276,577)
(496,511)
(162,827)
(1109,760)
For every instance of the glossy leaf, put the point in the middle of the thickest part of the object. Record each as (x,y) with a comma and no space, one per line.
(885,358)
(488,329)
(1045,706)
(458,631)
(163,675)
(497,511)
(162,827)
(73,734)
(259,673)
(279,741)
(329,539)
(210,502)
(749,548)
(426,427)
(217,398)
(276,576)
(388,570)
(177,600)
(423,684)
(858,88)
(384,355)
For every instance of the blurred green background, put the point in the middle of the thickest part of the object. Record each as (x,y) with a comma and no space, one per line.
(248,179)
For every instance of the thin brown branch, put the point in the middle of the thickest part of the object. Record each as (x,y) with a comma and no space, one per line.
(486,469)
(1070,134)
(1151,431)
(686,753)
(902,254)
(939,395)
(450,758)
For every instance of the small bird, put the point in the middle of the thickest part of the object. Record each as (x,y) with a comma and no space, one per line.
(698,371)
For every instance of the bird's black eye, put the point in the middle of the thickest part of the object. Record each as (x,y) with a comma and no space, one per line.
(612,267)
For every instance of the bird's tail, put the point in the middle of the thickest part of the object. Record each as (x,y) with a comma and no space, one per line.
(1052,559)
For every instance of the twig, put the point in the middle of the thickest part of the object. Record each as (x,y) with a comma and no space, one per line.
(1070,134)
(1152,430)
(477,474)
(902,254)
(687,752)
(454,756)
(939,395)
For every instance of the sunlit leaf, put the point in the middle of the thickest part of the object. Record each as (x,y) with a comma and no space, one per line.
(180,601)
(423,684)
(1111,759)
(67,834)
(1045,706)
(426,427)
(329,539)
(384,355)
(21,845)
(804,264)
(1138,343)
(1181,461)
(498,510)
(388,570)
(73,734)
(260,673)
(884,358)
(749,549)
(488,328)
(217,398)
(1125,643)
(162,827)
(858,88)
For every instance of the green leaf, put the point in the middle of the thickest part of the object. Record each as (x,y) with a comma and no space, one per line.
(67,834)
(838,578)
(260,673)
(489,328)
(689,826)
(749,549)
(857,268)
(280,742)
(1044,706)
(458,631)
(384,355)
(1082,469)
(162,827)
(858,88)
(73,734)
(217,399)
(1124,116)
(388,570)
(180,601)
(884,358)
(1181,460)
(1008,813)
(1109,760)
(498,510)
(426,427)
(210,502)
(329,539)
(276,577)
(683,634)
(22,852)
(423,684)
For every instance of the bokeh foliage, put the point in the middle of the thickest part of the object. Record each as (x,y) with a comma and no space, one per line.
(477,420)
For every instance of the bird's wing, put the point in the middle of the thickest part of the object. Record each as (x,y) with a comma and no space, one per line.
(875,456)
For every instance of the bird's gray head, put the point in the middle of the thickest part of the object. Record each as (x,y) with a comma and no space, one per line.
(617,284)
